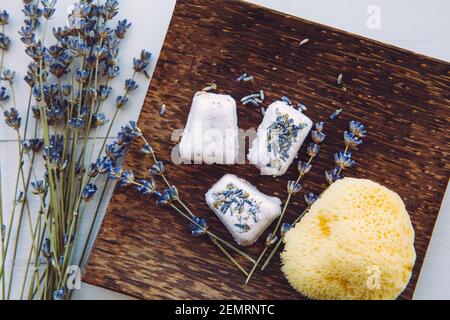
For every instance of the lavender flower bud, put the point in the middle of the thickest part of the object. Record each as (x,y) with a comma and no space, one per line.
(88,192)
(293,187)
(200,226)
(310,198)
(121,29)
(146,187)
(303,168)
(358,129)
(343,160)
(3,94)
(4,18)
(126,179)
(158,168)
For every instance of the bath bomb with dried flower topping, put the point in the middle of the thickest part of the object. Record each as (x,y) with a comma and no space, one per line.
(356,242)
(279,138)
(243,209)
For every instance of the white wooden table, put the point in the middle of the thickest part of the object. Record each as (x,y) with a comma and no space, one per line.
(417,25)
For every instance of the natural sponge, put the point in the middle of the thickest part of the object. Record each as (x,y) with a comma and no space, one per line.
(356,242)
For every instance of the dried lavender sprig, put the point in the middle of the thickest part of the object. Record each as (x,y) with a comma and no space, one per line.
(122,98)
(293,187)
(41,190)
(343,159)
(245,78)
(13,120)
(126,178)
(230,257)
(2,227)
(280,240)
(24,208)
(4,40)
(158,169)
(8,76)
(168,199)
(251,96)
(215,240)
(40,237)
(94,219)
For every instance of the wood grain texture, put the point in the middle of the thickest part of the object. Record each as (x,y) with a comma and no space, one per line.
(403,98)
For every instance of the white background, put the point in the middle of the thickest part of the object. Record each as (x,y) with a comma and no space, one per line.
(418,25)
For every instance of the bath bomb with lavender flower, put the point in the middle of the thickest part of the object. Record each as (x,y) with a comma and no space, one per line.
(211,132)
(242,208)
(356,242)
(279,138)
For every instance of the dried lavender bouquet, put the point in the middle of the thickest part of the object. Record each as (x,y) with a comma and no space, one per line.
(69,84)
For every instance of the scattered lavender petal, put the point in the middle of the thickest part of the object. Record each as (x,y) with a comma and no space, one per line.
(287,100)
(241,77)
(301,107)
(336,114)
(162,110)
(251,96)
(212,86)
(304,41)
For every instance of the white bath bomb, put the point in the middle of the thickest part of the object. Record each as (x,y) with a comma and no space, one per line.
(211,131)
(356,242)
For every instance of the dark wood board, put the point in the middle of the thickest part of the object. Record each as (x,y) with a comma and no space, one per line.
(404,99)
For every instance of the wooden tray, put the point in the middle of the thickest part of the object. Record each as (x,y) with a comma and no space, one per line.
(147,252)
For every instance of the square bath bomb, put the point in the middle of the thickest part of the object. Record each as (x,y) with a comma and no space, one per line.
(243,209)
(279,138)
(211,132)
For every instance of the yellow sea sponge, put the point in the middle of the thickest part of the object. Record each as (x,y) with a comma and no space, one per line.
(356,242)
